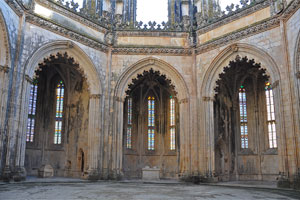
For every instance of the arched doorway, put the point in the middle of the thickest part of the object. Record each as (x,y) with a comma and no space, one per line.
(58,118)
(151,126)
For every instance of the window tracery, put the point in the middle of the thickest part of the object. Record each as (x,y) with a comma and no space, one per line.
(151,122)
(243,117)
(172,124)
(31,112)
(271,123)
(129,124)
(59,112)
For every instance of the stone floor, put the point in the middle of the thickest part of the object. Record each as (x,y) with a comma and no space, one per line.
(65,189)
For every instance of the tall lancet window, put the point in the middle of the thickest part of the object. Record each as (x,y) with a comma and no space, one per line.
(151,122)
(271,116)
(172,123)
(31,112)
(243,118)
(59,112)
(129,124)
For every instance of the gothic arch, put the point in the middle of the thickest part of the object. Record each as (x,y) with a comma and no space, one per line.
(4,43)
(74,51)
(209,84)
(157,65)
(184,109)
(228,54)
(92,77)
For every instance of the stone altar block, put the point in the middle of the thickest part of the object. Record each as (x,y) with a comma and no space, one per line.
(150,173)
(46,171)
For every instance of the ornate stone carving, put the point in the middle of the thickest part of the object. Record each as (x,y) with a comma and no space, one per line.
(273,22)
(5,69)
(65,32)
(208,99)
(95,96)
(27,78)
(145,50)
(275,84)
(182,101)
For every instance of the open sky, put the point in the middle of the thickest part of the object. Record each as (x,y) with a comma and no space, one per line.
(157,10)
(149,11)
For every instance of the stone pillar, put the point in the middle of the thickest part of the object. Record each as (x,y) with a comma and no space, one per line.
(185,139)
(209,131)
(3,108)
(94,136)
(20,172)
(117,138)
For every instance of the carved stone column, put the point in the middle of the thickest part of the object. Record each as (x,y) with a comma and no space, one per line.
(3,108)
(20,172)
(185,137)
(117,138)
(94,136)
(209,130)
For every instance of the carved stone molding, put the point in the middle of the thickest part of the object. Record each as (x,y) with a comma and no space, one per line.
(234,16)
(275,84)
(118,99)
(293,7)
(73,15)
(207,99)
(16,6)
(182,101)
(149,50)
(95,96)
(5,69)
(65,32)
(5,35)
(298,75)
(257,28)
(27,78)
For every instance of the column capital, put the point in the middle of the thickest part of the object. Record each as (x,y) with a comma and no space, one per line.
(275,84)
(95,96)
(208,98)
(186,100)
(29,79)
(4,68)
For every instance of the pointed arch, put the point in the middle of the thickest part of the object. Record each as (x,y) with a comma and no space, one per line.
(209,83)
(228,54)
(74,51)
(4,43)
(157,65)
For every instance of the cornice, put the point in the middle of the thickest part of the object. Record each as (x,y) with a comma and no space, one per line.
(41,22)
(148,50)
(254,29)
(291,9)
(152,34)
(234,16)
(16,6)
(73,15)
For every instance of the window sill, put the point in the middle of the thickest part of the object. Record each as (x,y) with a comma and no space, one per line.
(246,152)
(273,151)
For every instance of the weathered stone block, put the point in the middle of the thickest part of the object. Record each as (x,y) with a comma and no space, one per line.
(150,173)
(46,171)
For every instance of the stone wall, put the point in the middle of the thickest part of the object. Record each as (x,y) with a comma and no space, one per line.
(110,55)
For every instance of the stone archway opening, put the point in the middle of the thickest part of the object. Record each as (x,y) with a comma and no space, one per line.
(151,127)
(244,124)
(58,119)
